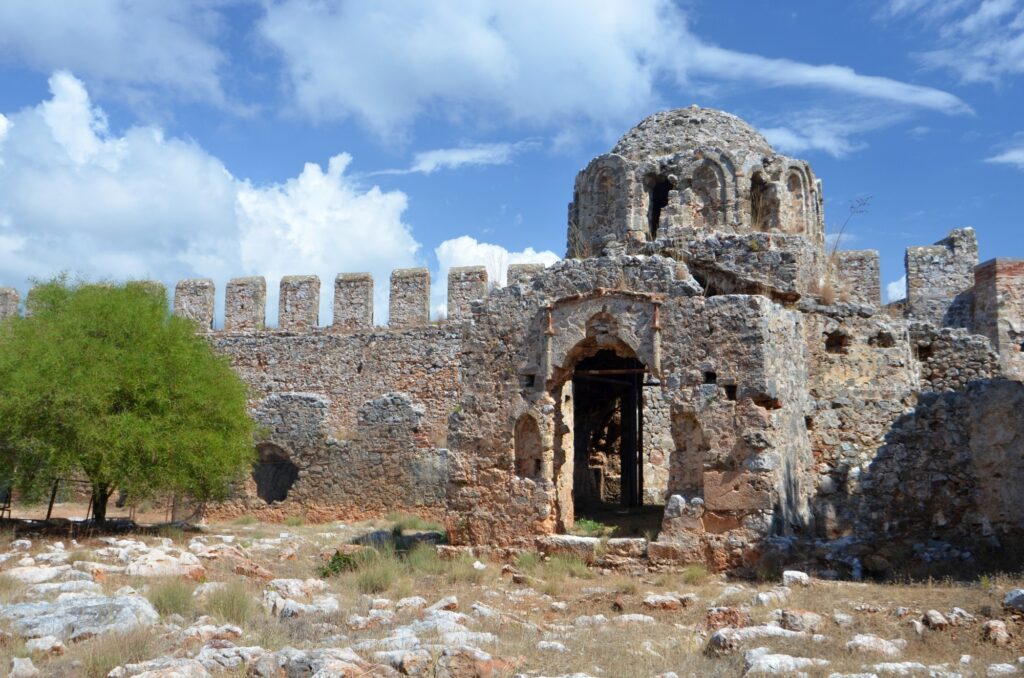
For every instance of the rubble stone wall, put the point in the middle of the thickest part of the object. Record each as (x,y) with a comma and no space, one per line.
(856,277)
(999,310)
(940,278)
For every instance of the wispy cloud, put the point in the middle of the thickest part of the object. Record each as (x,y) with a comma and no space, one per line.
(428,162)
(979,40)
(533,61)
(896,290)
(832,132)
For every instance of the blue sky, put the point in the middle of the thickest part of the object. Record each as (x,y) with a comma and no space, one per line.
(221,138)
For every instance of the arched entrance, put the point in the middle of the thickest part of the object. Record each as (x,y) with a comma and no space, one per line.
(274,473)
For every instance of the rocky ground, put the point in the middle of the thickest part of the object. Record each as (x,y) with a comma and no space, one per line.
(262,600)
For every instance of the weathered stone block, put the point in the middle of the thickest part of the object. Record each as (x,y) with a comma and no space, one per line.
(465,284)
(410,298)
(299,302)
(245,307)
(193,299)
(521,274)
(353,301)
(735,491)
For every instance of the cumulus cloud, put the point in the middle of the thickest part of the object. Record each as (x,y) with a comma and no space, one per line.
(319,222)
(896,290)
(1013,156)
(76,196)
(467,251)
(534,61)
(129,47)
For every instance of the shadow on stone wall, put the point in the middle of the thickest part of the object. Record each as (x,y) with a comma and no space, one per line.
(945,486)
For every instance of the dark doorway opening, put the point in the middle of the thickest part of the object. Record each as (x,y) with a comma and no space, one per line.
(658,201)
(608,435)
(274,473)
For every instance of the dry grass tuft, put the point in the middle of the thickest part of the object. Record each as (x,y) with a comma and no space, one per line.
(99,656)
(172,596)
(234,603)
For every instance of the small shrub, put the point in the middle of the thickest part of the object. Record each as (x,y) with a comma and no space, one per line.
(171,596)
(694,574)
(233,603)
(294,521)
(337,564)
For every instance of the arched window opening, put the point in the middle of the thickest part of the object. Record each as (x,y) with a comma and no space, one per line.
(764,204)
(528,447)
(658,198)
(274,473)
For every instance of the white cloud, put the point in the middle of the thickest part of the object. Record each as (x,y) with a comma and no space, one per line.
(531,61)
(896,290)
(77,197)
(979,40)
(840,240)
(452,158)
(320,223)
(127,47)
(1013,156)
(428,162)
(833,132)
(467,251)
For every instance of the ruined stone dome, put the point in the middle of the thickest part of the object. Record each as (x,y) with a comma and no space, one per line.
(686,129)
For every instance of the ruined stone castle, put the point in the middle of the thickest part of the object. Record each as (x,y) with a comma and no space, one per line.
(700,355)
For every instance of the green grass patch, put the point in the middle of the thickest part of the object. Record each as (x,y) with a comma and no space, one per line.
(585,527)
(10,588)
(461,571)
(404,522)
(172,596)
(245,520)
(294,521)
(422,558)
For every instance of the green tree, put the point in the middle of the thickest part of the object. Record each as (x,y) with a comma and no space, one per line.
(101,380)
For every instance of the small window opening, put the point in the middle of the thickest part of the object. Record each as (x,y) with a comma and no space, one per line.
(730,391)
(710,377)
(925,352)
(528,447)
(809,423)
(762,209)
(837,342)
(527,380)
(658,201)
(766,401)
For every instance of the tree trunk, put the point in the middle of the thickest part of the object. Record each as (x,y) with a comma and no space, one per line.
(100,497)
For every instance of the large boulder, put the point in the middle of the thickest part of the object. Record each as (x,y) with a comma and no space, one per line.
(80,618)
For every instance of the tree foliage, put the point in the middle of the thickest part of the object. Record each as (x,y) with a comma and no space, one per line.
(102,380)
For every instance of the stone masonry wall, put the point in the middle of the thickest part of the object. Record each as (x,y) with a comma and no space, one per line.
(940,278)
(857,277)
(999,310)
